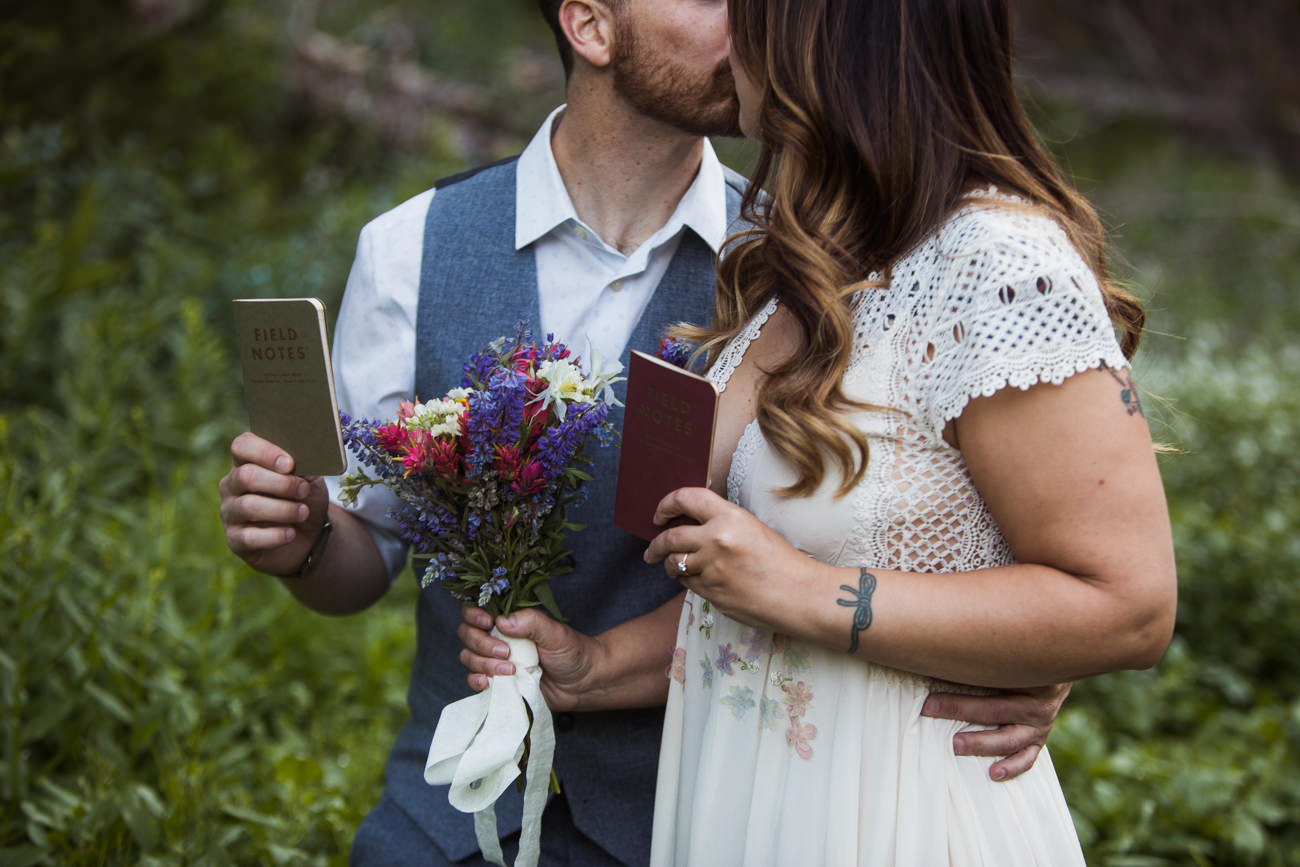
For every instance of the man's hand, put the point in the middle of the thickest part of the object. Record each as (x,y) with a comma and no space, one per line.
(271,516)
(1023,718)
(567,656)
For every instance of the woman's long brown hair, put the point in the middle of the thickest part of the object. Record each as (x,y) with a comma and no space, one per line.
(877,119)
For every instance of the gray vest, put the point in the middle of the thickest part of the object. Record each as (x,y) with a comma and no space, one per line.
(474,286)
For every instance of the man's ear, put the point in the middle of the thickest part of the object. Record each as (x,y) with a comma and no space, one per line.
(589,27)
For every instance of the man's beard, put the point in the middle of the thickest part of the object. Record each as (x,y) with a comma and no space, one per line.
(701,104)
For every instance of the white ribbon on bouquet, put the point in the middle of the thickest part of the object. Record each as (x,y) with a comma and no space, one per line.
(477,746)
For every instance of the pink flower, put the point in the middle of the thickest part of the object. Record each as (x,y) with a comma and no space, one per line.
(530,480)
(524,359)
(677,668)
(507,461)
(392,438)
(445,458)
(405,409)
(797,698)
(419,450)
(799,735)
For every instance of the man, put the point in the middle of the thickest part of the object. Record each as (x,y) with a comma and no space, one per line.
(604,229)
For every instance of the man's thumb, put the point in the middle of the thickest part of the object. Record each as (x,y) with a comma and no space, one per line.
(530,623)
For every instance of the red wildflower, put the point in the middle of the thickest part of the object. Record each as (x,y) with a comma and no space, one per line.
(530,480)
(392,438)
(445,457)
(419,451)
(507,461)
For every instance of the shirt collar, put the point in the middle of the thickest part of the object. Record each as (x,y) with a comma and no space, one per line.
(542,202)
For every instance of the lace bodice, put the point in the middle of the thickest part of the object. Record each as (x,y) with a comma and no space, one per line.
(997,297)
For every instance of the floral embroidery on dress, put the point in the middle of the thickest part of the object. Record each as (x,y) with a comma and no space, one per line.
(769,714)
(798,699)
(726,658)
(796,658)
(757,643)
(740,700)
(677,668)
(707,666)
(798,736)
(706,619)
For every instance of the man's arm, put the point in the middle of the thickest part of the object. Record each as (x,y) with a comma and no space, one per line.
(273,518)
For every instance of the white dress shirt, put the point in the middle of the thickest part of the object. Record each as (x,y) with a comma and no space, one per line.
(587,291)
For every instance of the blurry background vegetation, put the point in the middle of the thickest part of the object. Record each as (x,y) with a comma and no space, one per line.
(159,703)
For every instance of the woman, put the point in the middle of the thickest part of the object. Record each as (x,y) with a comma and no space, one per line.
(941,469)
(936,465)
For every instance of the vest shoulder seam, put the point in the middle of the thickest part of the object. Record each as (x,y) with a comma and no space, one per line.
(450,180)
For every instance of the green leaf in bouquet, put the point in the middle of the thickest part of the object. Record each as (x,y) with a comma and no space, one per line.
(547,598)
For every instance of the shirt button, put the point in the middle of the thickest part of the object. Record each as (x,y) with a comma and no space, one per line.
(564,721)
(616,285)
(580,232)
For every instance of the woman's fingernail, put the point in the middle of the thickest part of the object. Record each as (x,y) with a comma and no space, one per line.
(999,774)
(505,668)
(508,622)
(282,463)
(501,651)
(302,513)
(303,490)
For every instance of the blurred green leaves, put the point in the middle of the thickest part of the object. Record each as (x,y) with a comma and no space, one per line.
(161,704)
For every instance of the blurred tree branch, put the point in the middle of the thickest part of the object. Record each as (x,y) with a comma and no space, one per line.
(1218,71)
(385,88)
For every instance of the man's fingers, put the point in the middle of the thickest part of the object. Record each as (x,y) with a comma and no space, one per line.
(480,643)
(248,448)
(485,665)
(255,479)
(252,509)
(247,539)
(992,710)
(535,624)
(1014,765)
(1001,741)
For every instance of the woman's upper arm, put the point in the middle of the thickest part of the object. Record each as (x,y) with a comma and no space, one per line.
(1069,473)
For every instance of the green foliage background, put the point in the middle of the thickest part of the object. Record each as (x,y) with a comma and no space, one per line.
(162,704)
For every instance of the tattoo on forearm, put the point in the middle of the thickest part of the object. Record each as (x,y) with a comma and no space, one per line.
(1128,391)
(861,603)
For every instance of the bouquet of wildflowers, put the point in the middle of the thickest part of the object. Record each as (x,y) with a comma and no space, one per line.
(483,477)
(484,474)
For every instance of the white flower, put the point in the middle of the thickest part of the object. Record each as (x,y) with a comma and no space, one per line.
(604,374)
(439,417)
(565,384)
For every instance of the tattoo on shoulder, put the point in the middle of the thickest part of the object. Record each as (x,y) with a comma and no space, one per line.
(1128,391)
(860,601)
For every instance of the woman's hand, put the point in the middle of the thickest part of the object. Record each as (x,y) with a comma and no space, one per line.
(731,558)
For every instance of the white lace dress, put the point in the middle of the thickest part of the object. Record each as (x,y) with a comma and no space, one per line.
(777,752)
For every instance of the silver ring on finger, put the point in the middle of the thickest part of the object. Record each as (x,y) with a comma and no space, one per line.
(681,565)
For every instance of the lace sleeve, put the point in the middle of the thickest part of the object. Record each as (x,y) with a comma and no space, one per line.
(1023,311)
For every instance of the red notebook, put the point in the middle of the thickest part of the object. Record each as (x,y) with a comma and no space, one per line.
(667,439)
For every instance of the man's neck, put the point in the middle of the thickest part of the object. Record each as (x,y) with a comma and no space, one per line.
(625,173)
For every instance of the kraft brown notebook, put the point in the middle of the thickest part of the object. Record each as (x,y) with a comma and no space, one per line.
(288,381)
(667,439)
